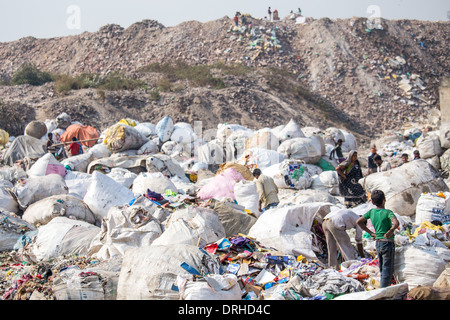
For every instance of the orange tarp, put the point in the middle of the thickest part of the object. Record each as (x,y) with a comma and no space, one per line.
(81,133)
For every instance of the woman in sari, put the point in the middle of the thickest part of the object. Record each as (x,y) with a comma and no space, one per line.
(349,173)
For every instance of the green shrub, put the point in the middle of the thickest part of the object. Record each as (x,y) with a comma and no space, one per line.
(28,73)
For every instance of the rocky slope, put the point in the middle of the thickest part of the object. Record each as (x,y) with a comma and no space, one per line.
(320,73)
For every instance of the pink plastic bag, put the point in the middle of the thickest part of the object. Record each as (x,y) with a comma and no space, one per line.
(221,186)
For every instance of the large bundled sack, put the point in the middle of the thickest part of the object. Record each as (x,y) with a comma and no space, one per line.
(225,130)
(7,201)
(211,153)
(221,186)
(4,137)
(133,163)
(121,137)
(150,147)
(79,162)
(43,211)
(123,176)
(63,120)
(78,183)
(166,165)
(263,139)
(22,147)
(147,129)
(288,229)
(124,228)
(100,150)
(289,174)
(327,181)
(104,193)
(429,145)
(433,207)
(444,135)
(216,287)
(12,229)
(420,266)
(153,181)
(164,129)
(150,273)
(82,133)
(63,236)
(31,190)
(193,226)
(291,130)
(47,164)
(262,158)
(308,196)
(36,129)
(403,185)
(247,196)
(183,133)
(335,134)
(237,140)
(74,283)
(233,219)
(309,150)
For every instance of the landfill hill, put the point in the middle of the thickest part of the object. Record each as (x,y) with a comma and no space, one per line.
(320,73)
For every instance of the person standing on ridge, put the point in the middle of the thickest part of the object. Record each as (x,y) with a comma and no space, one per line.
(269,12)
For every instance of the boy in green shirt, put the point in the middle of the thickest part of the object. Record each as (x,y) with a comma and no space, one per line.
(384,223)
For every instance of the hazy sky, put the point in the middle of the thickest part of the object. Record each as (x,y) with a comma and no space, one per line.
(54,18)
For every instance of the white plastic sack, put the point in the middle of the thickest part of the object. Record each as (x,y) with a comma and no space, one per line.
(43,211)
(287,229)
(123,176)
(289,174)
(79,162)
(309,149)
(182,135)
(153,181)
(7,202)
(99,150)
(224,130)
(420,266)
(151,272)
(247,196)
(78,183)
(192,226)
(104,193)
(403,185)
(47,164)
(149,147)
(263,139)
(335,134)
(34,189)
(164,129)
(63,236)
(432,207)
(146,129)
(291,130)
(263,158)
(125,228)
(429,145)
(166,165)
